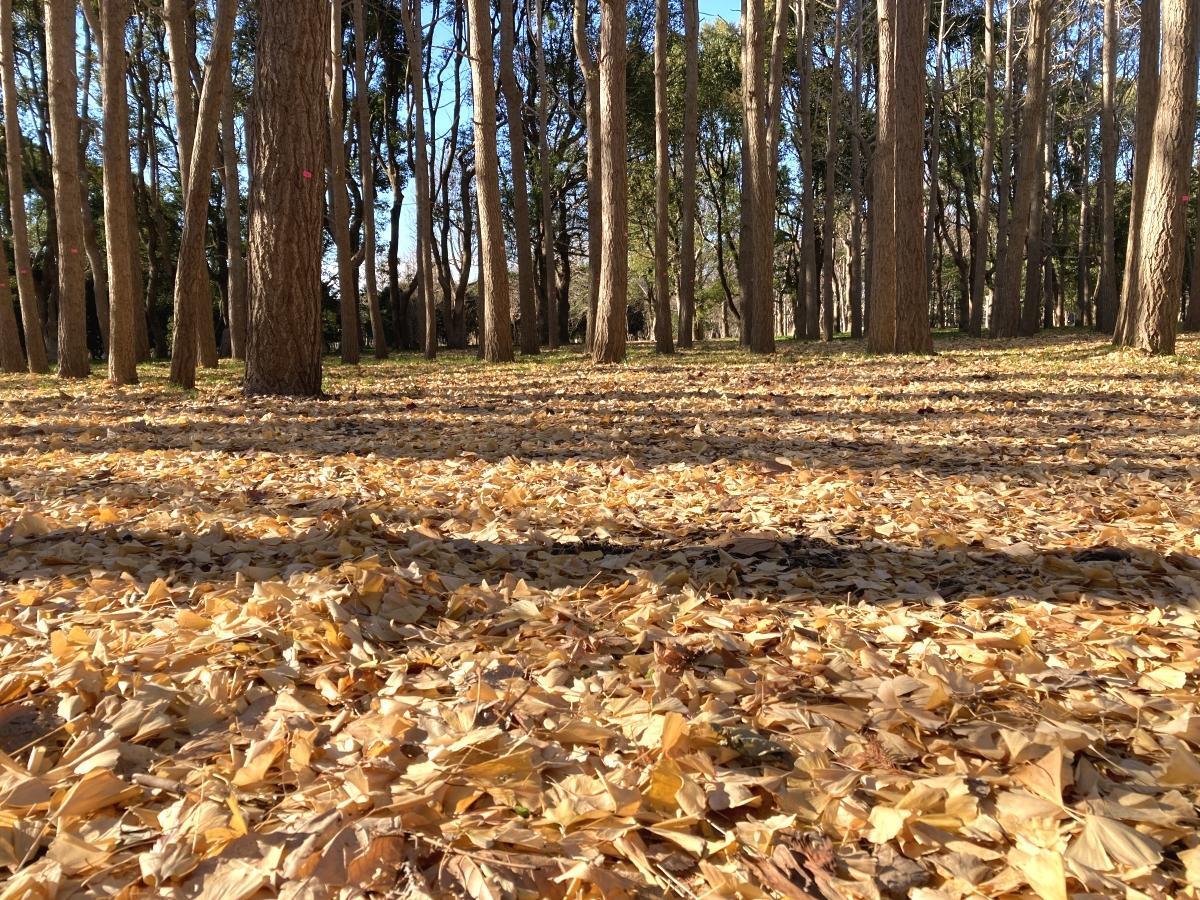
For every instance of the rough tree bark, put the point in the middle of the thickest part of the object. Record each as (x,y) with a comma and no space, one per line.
(881,327)
(119,229)
(663,342)
(808,315)
(856,180)
(591,80)
(984,208)
(608,343)
(1153,311)
(339,202)
(687,188)
(899,320)
(31,313)
(362,104)
(831,151)
(497,331)
(416,76)
(180,57)
(63,87)
(1106,296)
(287,163)
(526,301)
(545,172)
(1006,314)
(231,185)
(193,294)
(761,91)
(12,357)
(1143,135)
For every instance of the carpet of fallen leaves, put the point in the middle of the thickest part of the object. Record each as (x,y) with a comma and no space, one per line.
(821,626)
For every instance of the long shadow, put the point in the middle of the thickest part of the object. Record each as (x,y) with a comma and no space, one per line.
(770,565)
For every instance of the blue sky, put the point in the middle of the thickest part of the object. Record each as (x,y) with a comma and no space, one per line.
(710,10)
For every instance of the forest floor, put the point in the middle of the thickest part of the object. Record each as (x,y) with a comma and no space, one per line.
(824,625)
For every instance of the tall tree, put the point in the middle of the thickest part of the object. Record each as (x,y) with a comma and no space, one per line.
(687,188)
(856,179)
(1006,314)
(119,223)
(497,331)
(761,91)
(663,326)
(31,313)
(526,302)
(287,174)
(235,288)
(193,294)
(182,44)
(899,321)
(366,159)
(808,307)
(831,153)
(983,208)
(416,76)
(63,88)
(1143,136)
(1153,310)
(339,202)
(608,342)
(912,334)
(546,172)
(1106,296)
(595,219)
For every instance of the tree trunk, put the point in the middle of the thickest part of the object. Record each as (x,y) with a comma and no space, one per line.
(1004,204)
(416,74)
(231,180)
(181,56)
(881,326)
(595,219)
(984,208)
(933,254)
(808,316)
(526,302)
(1035,267)
(193,293)
(687,190)
(900,306)
(912,334)
(31,314)
(362,103)
(856,181)
(608,344)
(120,234)
(1144,128)
(545,172)
(339,202)
(1106,297)
(662,186)
(12,357)
(760,103)
(831,154)
(1153,310)
(493,263)
(1006,316)
(287,162)
(91,242)
(63,83)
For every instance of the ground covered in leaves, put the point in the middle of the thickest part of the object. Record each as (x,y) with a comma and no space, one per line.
(819,626)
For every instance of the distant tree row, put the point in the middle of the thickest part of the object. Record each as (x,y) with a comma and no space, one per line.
(271,181)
